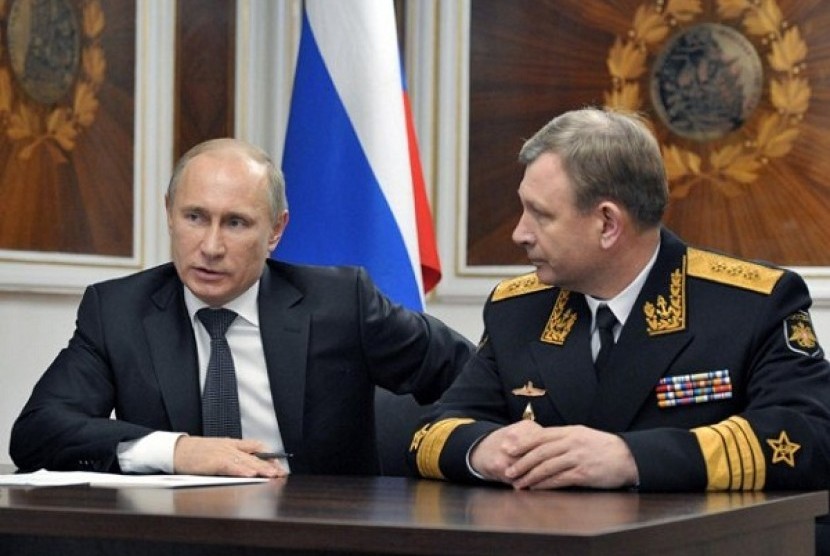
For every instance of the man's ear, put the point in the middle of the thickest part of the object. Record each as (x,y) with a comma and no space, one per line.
(612,223)
(278,230)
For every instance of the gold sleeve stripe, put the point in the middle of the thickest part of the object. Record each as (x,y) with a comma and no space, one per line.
(733,455)
(753,469)
(733,272)
(431,444)
(717,468)
(740,456)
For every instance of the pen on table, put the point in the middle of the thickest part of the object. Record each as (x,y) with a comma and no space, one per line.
(272,455)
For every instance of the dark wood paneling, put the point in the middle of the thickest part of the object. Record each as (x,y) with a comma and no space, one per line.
(205,31)
(533,59)
(66,167)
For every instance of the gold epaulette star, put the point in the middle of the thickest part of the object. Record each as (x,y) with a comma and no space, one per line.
(784,449)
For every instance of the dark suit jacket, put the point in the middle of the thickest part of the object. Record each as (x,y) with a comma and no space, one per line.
(329,337)
(698,312)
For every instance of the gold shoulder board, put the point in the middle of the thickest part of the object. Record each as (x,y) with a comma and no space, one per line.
(520,285)
(734,272)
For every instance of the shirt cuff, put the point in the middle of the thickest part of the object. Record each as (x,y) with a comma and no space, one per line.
(149,454)
(472,471)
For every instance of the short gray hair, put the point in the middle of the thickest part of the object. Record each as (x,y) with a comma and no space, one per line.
(606,155)
(276,182)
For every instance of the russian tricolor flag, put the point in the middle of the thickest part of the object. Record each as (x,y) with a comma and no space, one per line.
(355,186)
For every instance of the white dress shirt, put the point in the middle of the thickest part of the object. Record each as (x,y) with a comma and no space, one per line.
(154,452)
(621,304)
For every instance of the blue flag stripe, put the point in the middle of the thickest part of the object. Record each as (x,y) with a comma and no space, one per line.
(338,212)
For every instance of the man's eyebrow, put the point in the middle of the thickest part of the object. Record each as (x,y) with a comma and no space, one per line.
(235,214)
(192,208)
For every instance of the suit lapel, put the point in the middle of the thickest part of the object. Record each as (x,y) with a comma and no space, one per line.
(284,326)
(173,352)
(640,359)
(567,370)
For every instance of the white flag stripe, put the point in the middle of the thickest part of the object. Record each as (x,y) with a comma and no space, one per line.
(358,42)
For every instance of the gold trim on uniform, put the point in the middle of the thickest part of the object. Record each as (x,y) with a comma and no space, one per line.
(734,458)
(560,322)
(520,285)
(527,414)
(417,437)
(799,335)
(802,335)
(784,449)
(733,272)
(664,316)
(429,443)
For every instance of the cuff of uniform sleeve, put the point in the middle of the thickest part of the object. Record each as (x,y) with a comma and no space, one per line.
(470,467)
(455,458)
(149,454)
(667,460)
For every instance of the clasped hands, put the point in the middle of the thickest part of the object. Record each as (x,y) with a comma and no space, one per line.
(199,455)
(529,456)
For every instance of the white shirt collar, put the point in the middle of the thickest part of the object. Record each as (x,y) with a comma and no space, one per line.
(622,303)
(245,305)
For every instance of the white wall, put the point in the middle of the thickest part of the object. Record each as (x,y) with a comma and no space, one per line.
(33,328)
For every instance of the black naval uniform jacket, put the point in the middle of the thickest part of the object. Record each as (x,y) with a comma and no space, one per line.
(329,337)
(700,314)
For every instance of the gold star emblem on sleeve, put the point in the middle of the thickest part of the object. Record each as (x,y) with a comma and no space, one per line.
(784,449)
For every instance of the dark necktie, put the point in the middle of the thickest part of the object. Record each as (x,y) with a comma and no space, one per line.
(605,326)
(220,401)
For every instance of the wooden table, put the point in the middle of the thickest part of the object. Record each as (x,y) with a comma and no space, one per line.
(390,515)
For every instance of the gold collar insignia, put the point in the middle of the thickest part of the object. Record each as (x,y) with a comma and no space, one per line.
(560,322)
(664,316)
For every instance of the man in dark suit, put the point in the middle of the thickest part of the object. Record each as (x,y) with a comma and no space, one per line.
(308,345)
(711,376)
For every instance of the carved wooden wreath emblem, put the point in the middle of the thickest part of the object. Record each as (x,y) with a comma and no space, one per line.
(736,162)
(39,112)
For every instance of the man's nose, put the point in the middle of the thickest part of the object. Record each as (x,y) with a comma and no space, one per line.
(213,242)
(521,234)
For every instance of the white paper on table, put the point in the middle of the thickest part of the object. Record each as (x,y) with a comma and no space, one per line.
(44,478)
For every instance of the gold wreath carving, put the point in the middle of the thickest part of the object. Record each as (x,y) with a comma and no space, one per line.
(735,165)
(32,124)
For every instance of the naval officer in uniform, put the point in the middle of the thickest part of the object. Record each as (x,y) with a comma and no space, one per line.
(629,358)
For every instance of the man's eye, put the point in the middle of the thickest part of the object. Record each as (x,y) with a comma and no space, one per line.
(236,223)
(535,213)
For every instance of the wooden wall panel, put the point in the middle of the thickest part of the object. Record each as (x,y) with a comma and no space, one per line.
(66,161)
(761,191)
(205,34)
